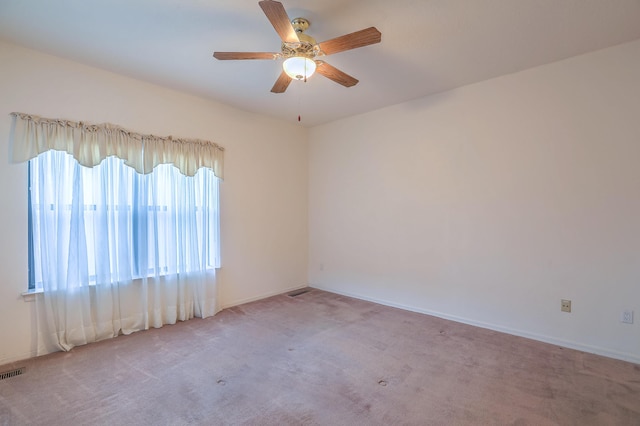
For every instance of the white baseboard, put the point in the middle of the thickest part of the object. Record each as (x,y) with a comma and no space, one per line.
(521,333)
(263,296)
(18,358)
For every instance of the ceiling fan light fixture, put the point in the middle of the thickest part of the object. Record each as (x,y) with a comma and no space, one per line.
(299,67)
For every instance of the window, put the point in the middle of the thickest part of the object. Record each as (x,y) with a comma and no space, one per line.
(110,224)
(123,227)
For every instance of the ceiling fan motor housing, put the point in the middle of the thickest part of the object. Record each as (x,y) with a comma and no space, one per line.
(307,46)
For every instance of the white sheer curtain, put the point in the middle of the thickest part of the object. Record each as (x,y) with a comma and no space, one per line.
(115,251)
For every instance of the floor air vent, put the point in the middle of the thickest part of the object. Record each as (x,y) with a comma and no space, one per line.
(299,292)
(11,373)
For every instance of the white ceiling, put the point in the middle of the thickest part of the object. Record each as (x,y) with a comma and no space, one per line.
(428,46)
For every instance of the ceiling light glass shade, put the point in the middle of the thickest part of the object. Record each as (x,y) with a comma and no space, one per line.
(299,67)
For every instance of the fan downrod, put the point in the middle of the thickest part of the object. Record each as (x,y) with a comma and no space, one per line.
(300,25)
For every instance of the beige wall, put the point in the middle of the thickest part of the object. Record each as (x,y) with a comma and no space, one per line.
(263,197)
(486,204)
(490,203)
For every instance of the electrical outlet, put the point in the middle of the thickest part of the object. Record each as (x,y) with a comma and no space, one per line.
(627,316)
(565,305)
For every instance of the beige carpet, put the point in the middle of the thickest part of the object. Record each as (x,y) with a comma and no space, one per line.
(321,359)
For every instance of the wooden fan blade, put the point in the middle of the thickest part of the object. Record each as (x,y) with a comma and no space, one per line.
(223,56)
(335,74)
(281,83)
(279,19)
(351,41)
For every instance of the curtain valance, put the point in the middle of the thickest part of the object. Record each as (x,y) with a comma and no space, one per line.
(91,143)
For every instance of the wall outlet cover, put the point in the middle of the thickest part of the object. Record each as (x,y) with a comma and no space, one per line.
(627,316)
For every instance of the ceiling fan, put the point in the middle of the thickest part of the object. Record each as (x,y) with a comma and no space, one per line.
(300,51)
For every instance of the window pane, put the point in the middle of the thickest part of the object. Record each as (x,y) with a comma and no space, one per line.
(110,224)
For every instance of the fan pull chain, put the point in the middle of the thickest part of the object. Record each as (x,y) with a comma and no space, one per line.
(305,71)
(299,96)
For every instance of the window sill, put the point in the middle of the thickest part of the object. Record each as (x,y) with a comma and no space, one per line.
(30,295)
